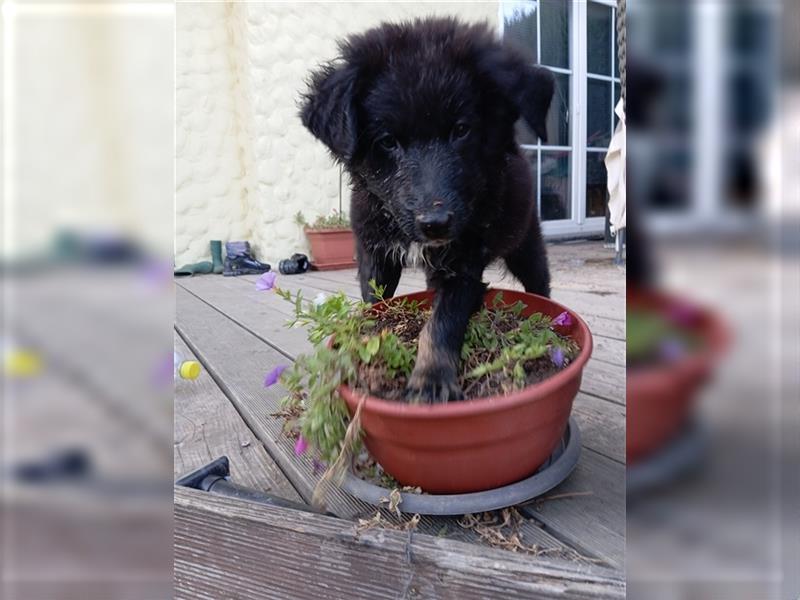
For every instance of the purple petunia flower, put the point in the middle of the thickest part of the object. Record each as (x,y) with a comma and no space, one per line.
(266,281)
(563,319)
(300,446)
(164,372)
(682,314)
(671,349)
(557,356)
(319,466)
(274,375)
(156,274)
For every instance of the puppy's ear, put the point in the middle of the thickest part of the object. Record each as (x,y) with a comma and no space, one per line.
(328,109)
(529,88)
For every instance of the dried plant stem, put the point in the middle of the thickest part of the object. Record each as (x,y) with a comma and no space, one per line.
(335,472)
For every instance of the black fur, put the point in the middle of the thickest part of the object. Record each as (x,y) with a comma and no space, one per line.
(421,114)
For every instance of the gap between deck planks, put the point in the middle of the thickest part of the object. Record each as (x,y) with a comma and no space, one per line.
(207,426)
(199,319)
(219,552)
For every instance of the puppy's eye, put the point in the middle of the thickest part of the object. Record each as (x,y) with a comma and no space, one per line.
(460,131)
(388,142)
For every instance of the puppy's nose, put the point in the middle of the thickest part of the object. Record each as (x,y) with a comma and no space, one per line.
(435,225)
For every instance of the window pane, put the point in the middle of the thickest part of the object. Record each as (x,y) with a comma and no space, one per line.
(555,33)
(667,188)
(531,156)
(599,44)
(617,93)
(556,181)
(596,190)
(519,27)
(598,118)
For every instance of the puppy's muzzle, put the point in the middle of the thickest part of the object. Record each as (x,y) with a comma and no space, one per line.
(435,225)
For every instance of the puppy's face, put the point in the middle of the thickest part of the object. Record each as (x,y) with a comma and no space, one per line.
(419,142)
(423,115)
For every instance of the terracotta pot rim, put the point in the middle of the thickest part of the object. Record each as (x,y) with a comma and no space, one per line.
(716,337)
(329,230)
(490,404)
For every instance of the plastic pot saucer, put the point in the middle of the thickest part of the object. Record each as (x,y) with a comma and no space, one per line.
(555,470)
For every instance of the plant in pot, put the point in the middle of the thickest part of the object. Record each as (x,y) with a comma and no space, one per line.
(331,238)
(521,367)
(672,349)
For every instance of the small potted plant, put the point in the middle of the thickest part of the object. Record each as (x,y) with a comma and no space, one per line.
(331,238)
(521,367)
(673,347)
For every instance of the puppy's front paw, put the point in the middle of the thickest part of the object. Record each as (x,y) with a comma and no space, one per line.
(433,386)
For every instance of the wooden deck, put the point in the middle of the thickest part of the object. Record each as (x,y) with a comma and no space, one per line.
(232,548)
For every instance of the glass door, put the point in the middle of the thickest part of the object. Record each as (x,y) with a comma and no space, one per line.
(566,37)
(602,94)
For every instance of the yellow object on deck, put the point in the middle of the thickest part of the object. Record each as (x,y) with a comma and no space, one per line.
(22,363)
(190,369)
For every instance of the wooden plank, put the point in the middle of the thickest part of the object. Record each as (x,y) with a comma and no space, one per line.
(263,313)
(604,380)
(225,548)
(595,522)
(608,350)
(238,361)
(74,545)
(109,358)
(207,426)
(602,425)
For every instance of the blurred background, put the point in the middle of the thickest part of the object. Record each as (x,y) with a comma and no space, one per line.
(91,93)
(714,226)
(87,234)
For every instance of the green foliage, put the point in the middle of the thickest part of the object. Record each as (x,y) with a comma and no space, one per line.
(644,331)
(522,341)
(647,331)
(360,343)
(335,220)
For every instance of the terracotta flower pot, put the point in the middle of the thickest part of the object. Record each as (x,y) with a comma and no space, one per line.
(332,248)
(659,397)
(479,444)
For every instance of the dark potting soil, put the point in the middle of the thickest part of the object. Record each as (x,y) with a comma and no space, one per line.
(407,325)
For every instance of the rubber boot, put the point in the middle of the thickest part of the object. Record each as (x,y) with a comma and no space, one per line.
(216,256)
(203,267)
(240,261)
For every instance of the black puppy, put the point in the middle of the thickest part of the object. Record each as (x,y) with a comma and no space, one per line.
(421,115)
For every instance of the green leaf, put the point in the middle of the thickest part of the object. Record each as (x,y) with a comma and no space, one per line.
(373,345)
(519,373)
(364,354)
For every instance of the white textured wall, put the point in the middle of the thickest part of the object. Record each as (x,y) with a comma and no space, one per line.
(245,165)
(89,122)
